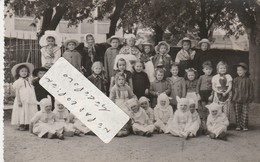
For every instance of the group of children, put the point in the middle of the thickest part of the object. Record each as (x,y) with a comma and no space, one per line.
(159,94)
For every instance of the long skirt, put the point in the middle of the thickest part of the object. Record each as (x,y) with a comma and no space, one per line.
(149,70)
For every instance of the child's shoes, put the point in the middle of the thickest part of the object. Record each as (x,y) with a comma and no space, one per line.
(50,136)
(69,134)
(212,135)
(148,134)
(238,128)
(245,129)
(21,128)
(223,136)
(60,136)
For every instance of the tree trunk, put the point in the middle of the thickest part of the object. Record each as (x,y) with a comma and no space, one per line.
(60,11)
(115,17)
(254,56)
(47,16)
(158,34)
(202,24)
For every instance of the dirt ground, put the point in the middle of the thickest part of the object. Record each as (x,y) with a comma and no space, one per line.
(240,147)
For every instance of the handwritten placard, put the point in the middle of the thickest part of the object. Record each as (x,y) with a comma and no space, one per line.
(84,100)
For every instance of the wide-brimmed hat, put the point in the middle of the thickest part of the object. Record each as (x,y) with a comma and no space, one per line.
(121,40)
(141,45)
(204,41)
(50,33)
(29,65)
(185,39)
(159,45)
(36,70)
(242,64)
(71,40)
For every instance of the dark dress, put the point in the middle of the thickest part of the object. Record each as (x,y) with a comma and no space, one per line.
(41,93)
(199,58)
(140,83)
(99,81)
(98,53)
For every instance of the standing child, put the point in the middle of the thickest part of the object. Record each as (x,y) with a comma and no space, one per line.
(121,92)
(162,58)
(178,87)
(160,85)
(222,85)
(146,58)
(141,83)
(71,55)
(121,66)
(97,77)
(243,94)
(25,104)
(182,119)
(144,103)
(139,118)
(50,43)
(204,87)
(129,50)
(217,122)
(40,92)
(201,55)
(45,123)
(185,56)
(191,85)
(163,113)
(110,55)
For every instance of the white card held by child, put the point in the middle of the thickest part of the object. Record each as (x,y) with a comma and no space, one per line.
(84,100)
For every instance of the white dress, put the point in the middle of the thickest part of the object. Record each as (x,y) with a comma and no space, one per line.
(149,70)
(46,123)
(140,122)
(24,114)
(162,117)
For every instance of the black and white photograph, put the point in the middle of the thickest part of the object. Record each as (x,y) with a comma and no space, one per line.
(131,80)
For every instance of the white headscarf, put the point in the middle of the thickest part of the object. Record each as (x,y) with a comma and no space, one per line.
(184,101)
(214,106)
(45,102)
(163,97)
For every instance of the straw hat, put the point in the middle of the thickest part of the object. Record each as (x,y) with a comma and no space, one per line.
(50,33)
(141,45)
(29,65)
(36,70)
(121,40)
(159,45)
(204,41)
(71,40)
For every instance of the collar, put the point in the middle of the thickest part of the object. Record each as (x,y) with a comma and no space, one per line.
(157,81)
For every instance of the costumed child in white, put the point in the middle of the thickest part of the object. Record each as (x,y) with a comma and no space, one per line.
(139,118)
(195,122)
(78,126)
(45,123)
(144,103)
(63,116)
(182,119)
(163,113)
(217,122)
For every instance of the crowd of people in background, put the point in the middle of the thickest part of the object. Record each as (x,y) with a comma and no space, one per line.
(160,94)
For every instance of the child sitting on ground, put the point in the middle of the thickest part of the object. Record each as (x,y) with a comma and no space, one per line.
(195,122)
(163,113)
(144,103)
(182,120)
(45,123)
(139,118)
(217,122)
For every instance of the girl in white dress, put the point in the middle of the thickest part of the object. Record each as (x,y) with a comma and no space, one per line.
(25,103)
(195,122)
(45,122)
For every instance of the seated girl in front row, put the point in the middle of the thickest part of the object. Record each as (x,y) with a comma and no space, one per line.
(217,122)
(44,123)
(140,120)
(163,113)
